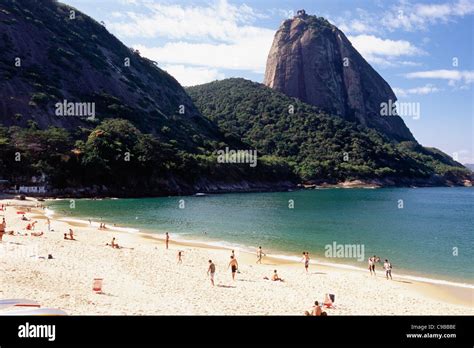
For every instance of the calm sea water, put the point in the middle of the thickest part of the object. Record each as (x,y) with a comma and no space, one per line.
(418,238)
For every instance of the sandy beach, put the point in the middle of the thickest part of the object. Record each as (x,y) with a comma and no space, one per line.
(144,278)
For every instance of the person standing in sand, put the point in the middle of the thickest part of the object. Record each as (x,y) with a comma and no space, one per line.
(234,265)
(167,240)
(372,261)
(211,271)
(180,255)
(260,254)
(388,269)
(306,260)
(49,225)
(3,226)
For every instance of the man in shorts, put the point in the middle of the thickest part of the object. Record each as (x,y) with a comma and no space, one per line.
(387,266)
(211,271)
(234,265)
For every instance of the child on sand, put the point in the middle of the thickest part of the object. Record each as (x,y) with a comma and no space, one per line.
(275,277)
(180,255)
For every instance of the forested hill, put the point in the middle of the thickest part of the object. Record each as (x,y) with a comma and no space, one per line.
(322,148)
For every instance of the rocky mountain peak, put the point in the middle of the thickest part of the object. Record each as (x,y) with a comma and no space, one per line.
(313,60)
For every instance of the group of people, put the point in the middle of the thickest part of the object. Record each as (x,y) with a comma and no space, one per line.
(387,266)
(70,235)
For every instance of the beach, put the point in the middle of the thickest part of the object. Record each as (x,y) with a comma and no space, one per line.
(144,278)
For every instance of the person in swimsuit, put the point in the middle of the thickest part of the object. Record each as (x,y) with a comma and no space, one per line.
(3,226)
(306,260)
(317,309)
(234,265)
(167,239)
(211,271)
(388,269)
(370,264)
(260,254)
(180,255)
(275,277)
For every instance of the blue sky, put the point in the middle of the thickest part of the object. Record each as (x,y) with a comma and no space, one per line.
(424,49)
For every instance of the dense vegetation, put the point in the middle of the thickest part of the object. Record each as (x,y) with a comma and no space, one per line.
(321,147)
(116,158)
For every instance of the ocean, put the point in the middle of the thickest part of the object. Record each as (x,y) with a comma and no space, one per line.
(426,233)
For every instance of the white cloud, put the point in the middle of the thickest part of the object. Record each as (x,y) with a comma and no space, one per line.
(248,54)
(218,35)
(404,15)
(191,76)
(217,21)
(453,76)
(417,16)
(423,90)
(384,52)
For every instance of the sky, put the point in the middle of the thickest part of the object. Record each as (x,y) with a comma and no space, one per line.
(423,49)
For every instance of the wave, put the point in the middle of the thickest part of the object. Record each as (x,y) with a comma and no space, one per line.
(97,224)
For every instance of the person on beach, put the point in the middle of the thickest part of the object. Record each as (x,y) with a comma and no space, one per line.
(113,244)
(275,277)
(211,271)
(167,240)
(328,302)
(387,266)
(306,260)
(232,253)
(260,255)
(37,234)
(372,261)
(316,309)
(180,255)
(233,265)
(71,234)
(48,222)
(3,226)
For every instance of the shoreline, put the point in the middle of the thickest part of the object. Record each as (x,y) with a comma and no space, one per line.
(280,257)
(443,296)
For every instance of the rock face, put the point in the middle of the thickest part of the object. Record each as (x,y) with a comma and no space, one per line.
(313,60)
(51,53)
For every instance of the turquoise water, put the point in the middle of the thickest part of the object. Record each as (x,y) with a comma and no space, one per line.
(418,239)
